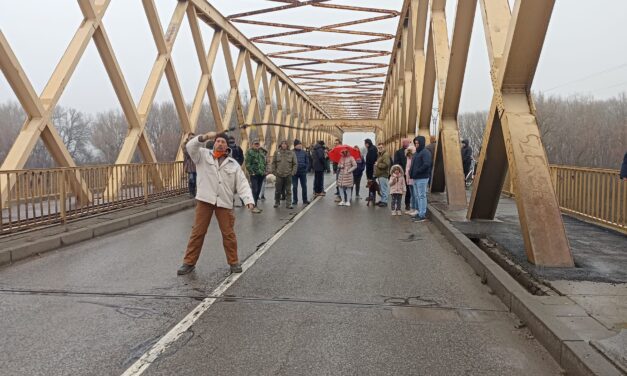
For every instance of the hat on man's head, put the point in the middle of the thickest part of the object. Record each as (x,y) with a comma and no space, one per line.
(223,135)
(297,142)
(256,141)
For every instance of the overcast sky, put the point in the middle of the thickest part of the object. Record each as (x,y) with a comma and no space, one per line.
(585,50)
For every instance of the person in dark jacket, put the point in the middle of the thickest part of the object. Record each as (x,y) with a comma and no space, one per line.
(309,157)
(401,159)
(623,168)
(284,166)
(336,143)
(189,167)
(335,172)
(466,157)
(433,144)
(359,171)
(236,152)
(301,173)
(372,153)
(420,171)
(319,166)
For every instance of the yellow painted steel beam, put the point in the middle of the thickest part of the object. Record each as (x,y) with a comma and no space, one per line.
(39,110)
(215,19)
(450,66)
(513,135)
(428,89)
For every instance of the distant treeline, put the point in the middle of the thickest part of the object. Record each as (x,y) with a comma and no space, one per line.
(576,130)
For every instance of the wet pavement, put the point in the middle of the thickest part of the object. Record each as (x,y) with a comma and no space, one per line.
(344,291)
(600,254)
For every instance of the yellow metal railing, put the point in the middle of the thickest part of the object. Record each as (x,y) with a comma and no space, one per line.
(42,197)
(591,194)
(45,196)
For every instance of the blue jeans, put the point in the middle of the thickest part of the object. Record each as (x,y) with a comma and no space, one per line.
(383,184)
(302,176)
(420,186)
(414,197)
(345,190)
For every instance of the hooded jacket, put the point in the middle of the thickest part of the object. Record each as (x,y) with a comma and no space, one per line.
(421,162)
(346,166)
(217,183)
(466,153)
(397,183)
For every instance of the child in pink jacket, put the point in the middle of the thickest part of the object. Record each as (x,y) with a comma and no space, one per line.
(397,188)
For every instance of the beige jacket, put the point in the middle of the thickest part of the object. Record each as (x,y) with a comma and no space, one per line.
(217,184)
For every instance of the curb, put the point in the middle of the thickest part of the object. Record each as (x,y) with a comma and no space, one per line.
(50,243)
(572,353)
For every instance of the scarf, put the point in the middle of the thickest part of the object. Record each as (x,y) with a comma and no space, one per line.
(218,154)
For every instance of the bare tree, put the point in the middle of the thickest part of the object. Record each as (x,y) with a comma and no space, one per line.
(583,131)
(164,130)
(471,127)
(12,117)
(109,130)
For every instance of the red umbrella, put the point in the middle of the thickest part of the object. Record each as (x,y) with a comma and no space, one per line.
(336,154)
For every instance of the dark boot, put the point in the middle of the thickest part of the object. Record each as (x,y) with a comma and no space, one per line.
(236,268)
(185,269)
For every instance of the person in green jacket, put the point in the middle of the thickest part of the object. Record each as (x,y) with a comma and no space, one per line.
(382,173)
(256,166)
(284,166)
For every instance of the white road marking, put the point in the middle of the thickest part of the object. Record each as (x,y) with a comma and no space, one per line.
(175,333)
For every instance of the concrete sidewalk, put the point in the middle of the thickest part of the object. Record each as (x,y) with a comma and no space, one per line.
(590,299)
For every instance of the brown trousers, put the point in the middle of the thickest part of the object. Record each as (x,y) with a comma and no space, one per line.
(226,221)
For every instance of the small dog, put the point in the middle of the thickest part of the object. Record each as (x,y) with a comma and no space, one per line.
(270,180)
(373,189)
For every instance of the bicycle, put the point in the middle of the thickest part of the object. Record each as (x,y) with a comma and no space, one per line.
(470,177)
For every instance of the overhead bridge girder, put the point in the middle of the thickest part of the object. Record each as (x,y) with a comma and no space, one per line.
(511,140)
(310,101)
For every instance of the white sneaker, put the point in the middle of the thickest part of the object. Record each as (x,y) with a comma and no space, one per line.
(341,203)
(398,212)
(347,203)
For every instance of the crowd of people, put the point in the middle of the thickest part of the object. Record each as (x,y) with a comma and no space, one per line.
(218,169)
(213,162)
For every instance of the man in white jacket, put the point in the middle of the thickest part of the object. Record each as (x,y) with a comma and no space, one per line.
(219,177)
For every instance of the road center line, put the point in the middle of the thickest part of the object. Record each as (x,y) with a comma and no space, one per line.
(175,333)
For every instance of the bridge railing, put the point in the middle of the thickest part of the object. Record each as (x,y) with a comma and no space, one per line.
(41,197)
(591,194)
